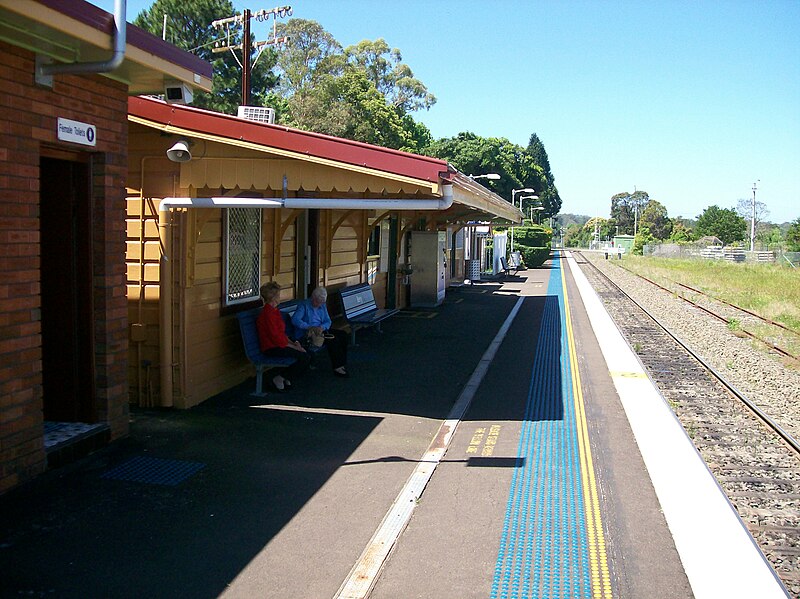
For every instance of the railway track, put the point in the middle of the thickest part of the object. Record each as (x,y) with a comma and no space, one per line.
(755,461)
(690,294)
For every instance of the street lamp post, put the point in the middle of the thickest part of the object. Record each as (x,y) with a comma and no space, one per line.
(533,197)
(538,216)
(490,176)
(514,192)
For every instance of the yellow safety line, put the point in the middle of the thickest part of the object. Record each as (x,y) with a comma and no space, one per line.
(598,559)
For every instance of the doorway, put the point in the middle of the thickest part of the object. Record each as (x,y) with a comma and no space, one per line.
(66,269)
(312,255)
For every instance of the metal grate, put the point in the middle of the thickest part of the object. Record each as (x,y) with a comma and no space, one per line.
(154,471)
(244,255)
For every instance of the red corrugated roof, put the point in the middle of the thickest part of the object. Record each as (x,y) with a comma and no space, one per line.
(290,140)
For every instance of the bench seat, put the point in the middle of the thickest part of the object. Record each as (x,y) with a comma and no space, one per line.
(360,309)
(252,348)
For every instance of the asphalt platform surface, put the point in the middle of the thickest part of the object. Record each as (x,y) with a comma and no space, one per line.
(278,496)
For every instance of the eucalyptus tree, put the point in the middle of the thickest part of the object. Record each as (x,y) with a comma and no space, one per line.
(364,92)
(626,208)
(654,217)
(393,78)
(310,56)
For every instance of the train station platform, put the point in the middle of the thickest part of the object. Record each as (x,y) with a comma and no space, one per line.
(505,444)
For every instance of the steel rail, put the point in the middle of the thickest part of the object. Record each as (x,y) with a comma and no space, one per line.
(727,303)
(769,422)
(772,346)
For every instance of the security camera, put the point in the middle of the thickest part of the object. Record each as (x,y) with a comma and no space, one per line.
(178,93)
(179,152)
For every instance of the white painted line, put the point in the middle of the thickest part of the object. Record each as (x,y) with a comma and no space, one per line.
(718,554)
(311,410)
(365,573)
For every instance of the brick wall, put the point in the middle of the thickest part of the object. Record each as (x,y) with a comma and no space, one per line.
(28,115)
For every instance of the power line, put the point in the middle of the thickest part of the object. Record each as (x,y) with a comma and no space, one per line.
(229,25)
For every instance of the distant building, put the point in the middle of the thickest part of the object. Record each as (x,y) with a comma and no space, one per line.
(625,242)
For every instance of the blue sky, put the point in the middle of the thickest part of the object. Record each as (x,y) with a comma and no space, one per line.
(692,102)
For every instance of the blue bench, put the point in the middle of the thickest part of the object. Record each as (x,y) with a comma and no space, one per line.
(252,349)
(360,309)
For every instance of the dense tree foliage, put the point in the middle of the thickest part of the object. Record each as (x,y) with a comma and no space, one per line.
(643,237)
(391,77)
(626,209)
(311,55)
(189,27)
(364,92)
(654,217)
(723,223)
(549,194)
(595,229)
(475,155)
(793,236)
(681,233)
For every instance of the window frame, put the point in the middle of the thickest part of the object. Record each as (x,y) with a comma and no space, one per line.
(256,252)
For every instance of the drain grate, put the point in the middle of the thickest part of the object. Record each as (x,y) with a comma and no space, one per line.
(154,471)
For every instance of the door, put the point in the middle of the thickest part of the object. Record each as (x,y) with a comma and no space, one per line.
(66,290)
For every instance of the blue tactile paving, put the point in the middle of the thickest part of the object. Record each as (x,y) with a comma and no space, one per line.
(543,549)
(154,471)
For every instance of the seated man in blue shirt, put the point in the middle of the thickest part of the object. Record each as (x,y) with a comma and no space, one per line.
(312,315)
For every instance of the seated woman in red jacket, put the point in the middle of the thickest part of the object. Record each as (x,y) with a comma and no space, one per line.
(273,341)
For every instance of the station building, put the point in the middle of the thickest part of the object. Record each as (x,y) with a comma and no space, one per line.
(218,205)
(122,268)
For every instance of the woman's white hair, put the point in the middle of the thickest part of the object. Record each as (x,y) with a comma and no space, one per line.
(320,293)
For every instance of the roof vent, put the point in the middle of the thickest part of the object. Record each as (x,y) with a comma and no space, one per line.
(258,114)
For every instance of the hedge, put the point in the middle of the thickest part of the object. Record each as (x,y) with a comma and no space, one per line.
(534,257)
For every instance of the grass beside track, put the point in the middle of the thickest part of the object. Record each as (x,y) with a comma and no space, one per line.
(767,289)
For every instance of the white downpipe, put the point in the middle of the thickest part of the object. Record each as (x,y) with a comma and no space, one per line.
(118,48)
(165,270)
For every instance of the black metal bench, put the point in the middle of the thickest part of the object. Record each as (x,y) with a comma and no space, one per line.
(252,349)
(505,269)
(360,309)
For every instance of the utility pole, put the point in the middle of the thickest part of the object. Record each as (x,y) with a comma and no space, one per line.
(246,45)
(228,26)
(753,220)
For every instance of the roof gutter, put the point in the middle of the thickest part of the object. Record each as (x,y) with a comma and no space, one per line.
(165,269)
(118,44)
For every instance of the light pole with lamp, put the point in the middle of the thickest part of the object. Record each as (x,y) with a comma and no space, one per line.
(514,192)
(523,198)
(490,176)
(538,216)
